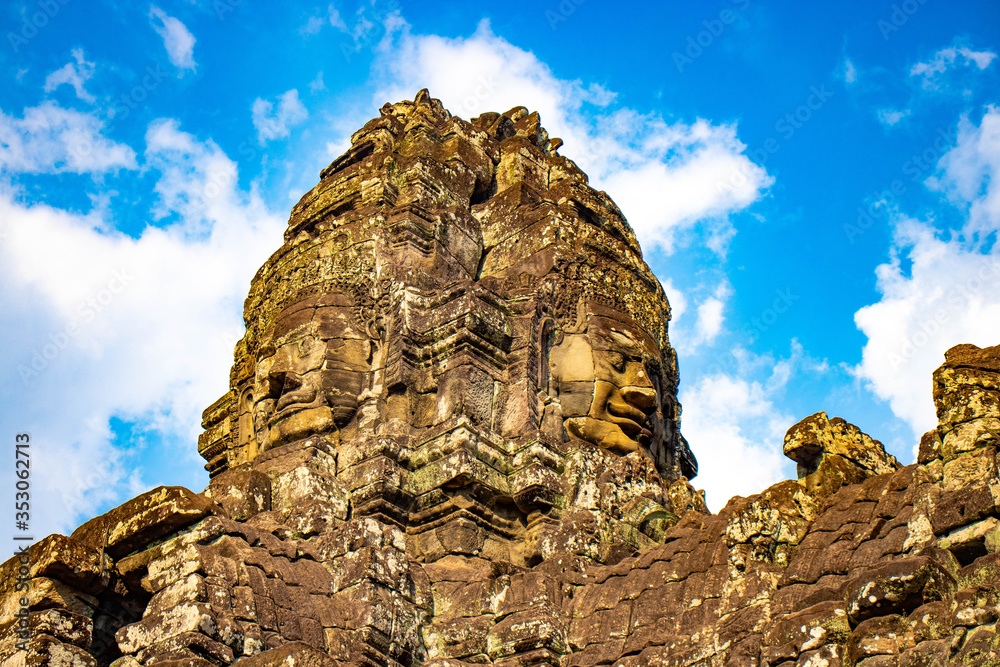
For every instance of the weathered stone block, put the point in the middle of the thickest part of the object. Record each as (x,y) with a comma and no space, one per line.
(63,625)
(980,649)
(185,647)
(50,652)
(68,560)
(880,635)
(187,617)
(151,516)
(808,630)
(241,493)
(897,587)
(969,542)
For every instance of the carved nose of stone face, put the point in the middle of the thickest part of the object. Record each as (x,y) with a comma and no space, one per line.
(294,390)
(640,397)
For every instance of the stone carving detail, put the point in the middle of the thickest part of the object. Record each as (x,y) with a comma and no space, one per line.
(452,438)
(831,453)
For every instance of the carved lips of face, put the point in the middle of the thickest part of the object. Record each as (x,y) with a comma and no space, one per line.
(608,384)
(306,382)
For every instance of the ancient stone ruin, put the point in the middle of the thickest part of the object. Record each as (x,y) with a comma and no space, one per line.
(452,438)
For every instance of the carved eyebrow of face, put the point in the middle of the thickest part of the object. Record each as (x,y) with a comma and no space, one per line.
(627,349)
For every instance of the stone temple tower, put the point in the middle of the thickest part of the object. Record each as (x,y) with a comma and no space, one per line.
(459,330)
(452,438)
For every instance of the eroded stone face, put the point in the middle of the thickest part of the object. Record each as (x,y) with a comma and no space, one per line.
(608,383)
(310,370)
(832,452)
(456,325)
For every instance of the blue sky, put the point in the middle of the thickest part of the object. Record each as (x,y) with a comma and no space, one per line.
(816,185)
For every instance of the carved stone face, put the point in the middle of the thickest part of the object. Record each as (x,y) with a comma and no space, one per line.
(310,371)
(607,381)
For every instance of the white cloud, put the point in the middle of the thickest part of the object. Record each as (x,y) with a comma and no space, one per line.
(736,433)
(334,18)
(49,139)
(600,96)
(313,25)
(949,58)
(850,72)
(982,59)
(274,123)
(73,74)
(317,84)
(892,116)
(699,167)
(136,328)
(177,39)
(316,23)
(938,290)
(710,319)
(969,174)
(947,297)
(689,337)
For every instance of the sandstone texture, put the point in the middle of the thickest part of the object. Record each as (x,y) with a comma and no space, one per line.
(452,438)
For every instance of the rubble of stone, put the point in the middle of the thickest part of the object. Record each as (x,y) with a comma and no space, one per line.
(452,438)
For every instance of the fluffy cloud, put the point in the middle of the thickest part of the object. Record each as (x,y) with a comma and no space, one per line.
(970,173)
(699,166)
(50,139)
(316,23)
(736,431)
(312,26)
(135,328)
(274,123)
(710,319)
(177,39)
(690,335)
(949,58)
(938,290)
(948,296)
(316,85)
(74,74)
(891,116)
